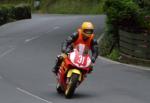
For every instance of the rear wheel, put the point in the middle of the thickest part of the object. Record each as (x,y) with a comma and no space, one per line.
(71,86)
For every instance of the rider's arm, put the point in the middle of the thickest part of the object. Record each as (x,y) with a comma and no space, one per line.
(94,49)
(72,38)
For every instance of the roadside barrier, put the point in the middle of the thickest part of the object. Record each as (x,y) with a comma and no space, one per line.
(135,44)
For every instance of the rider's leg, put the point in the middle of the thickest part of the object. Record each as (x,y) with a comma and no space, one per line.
(59,60)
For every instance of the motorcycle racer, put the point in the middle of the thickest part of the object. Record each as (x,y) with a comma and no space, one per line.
(84,35)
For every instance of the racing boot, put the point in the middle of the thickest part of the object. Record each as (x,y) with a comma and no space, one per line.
(59,60)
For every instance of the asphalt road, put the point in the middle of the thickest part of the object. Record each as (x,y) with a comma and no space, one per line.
(28,50)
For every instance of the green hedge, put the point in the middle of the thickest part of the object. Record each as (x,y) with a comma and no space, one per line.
(10,13)
(128,14)
(63,6)
(125,13)
(143,4)
(6,13)
(22,11)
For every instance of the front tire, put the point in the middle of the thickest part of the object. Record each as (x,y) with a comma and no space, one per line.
(71,86)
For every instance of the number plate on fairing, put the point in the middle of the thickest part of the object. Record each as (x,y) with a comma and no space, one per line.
(79,60)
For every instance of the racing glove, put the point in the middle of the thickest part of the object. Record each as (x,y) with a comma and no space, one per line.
(93,60)
(68,50)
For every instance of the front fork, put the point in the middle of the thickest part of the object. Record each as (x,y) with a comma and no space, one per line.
(74,71)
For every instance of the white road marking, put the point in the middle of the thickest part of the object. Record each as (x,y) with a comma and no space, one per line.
(30,94)
(30,39)
(100,38)
(33,38)
(56,27)
(6,52)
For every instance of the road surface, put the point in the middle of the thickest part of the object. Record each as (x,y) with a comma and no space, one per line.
(28,49)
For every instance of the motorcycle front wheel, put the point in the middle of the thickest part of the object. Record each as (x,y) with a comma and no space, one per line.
(71,86)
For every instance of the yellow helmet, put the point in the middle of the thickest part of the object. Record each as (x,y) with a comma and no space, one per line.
(87,29)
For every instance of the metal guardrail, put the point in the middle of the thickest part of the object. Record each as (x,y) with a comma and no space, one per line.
(135,44)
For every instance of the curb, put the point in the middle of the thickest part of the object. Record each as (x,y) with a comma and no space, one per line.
(129,65)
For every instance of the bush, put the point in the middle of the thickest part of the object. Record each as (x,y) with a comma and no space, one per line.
(105,45)
(2,21)
(7,14)
(114,55)
(122,13)
(129,15)
(10,13)
(143,4)
(145,13)
(22,11)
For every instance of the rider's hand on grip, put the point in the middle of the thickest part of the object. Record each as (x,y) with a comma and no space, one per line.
(67,50)
(93,60)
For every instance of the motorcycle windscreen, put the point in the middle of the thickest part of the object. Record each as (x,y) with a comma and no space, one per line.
(80,56)
(82,49)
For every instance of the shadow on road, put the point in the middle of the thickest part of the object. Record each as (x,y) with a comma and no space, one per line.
(78,95)
(83,95)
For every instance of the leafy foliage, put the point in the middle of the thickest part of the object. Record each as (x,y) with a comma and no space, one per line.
(122,13)
(130,15)
(65,6)
(114,55)
(145,12)
(106,44)
(7,14)
(22,11)
(10,13)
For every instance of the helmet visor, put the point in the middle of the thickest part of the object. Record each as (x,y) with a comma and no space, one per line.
(88,31)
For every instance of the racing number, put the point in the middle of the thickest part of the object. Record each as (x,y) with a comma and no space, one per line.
(80,60)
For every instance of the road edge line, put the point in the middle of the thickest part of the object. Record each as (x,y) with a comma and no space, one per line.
(30,94)
(129,65)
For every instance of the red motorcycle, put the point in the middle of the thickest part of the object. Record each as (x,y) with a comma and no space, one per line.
(73,70)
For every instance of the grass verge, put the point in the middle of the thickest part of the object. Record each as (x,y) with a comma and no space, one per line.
(64,6)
